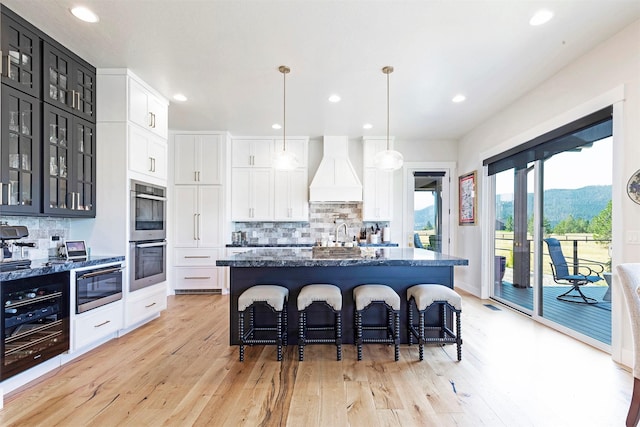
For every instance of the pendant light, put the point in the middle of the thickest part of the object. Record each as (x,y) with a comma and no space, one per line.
(285,160)
(388,160)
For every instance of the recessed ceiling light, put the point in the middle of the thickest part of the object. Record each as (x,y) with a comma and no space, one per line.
(541,17)
(367,126)
(276,126)
(179,97)
(459,98)
(84,14)
(334,98)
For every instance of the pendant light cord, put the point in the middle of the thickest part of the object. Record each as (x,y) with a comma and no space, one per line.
(388,110)
(284,110)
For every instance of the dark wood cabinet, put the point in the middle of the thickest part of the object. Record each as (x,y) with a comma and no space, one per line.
(20,56)
(68,83)
(48,150)
(69,164)
(20,166)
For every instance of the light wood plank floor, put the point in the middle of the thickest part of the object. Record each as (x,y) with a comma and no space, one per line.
(179,370)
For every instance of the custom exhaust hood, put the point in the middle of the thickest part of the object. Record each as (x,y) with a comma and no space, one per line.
(336,179)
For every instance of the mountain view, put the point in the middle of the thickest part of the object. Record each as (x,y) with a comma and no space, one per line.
(581,203)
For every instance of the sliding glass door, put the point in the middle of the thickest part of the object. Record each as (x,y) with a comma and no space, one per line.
(553,196)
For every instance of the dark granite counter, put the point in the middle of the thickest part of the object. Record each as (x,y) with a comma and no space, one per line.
(303,257)
(41,267)
(301,245)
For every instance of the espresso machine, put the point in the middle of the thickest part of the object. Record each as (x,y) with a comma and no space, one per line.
(13,233)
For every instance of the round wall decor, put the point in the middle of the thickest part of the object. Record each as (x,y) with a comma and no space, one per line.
(633,187)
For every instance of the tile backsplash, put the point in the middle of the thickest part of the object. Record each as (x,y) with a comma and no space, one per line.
(323,219)
(40,232)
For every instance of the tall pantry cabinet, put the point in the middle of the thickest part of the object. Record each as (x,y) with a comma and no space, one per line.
(198,211)
(131,147)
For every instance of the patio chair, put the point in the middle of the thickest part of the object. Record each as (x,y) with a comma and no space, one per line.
(417,243)
(586,272)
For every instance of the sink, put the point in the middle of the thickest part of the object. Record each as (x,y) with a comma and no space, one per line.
(340,252)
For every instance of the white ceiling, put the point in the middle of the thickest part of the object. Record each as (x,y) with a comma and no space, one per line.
(224,56)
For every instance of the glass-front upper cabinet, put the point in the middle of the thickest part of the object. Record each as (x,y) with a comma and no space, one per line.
(20,57)
(20,153)
(69,164)
(68,84)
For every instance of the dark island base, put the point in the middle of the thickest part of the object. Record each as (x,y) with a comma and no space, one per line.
(400,278)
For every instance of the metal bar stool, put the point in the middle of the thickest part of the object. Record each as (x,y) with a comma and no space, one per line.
(421,298)
(273,297)
(330,297)
(367,296)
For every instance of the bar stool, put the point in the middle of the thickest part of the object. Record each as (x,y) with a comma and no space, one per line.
(275,298)
(367,296)
(421,298)
(325,295)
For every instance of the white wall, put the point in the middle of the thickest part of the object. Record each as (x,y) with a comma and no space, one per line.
(608,73)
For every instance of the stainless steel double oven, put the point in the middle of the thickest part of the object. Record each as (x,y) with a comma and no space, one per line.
(147,240)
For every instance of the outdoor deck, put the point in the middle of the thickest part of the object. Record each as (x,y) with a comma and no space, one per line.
(593,320)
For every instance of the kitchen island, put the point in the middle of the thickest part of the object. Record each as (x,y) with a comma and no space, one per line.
(399,268)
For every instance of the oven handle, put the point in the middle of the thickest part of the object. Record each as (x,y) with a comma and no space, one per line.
(150,245)
(99,273)
(150,197)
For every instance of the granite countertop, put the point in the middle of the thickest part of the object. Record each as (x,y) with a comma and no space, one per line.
(303,257)
(41,267)
(300,245)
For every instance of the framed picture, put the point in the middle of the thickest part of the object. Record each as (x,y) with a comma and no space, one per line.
(467,199)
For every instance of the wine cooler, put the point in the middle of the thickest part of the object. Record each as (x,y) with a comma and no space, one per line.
(35,321)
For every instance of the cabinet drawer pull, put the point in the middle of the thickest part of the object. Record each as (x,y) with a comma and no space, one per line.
(197,277)
(2,68)
(195,226)
(197,256)
(150,305)
(73,99)
(102,324)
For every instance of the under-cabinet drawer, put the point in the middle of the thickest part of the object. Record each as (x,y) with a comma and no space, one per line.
(147,306)
(199,278)
(96,324)
(195,256)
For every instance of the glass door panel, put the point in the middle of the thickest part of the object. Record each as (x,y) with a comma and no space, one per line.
(513,256)
(577,212)
(429,188)
(20,154)
(21,63)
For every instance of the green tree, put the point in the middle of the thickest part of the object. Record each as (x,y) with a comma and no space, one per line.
(546,225)
(601,224)
(508,223)
(572,225)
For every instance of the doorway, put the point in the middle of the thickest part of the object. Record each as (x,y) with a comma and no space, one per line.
(427,204)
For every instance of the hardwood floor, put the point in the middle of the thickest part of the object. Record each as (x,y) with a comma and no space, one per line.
(179,370)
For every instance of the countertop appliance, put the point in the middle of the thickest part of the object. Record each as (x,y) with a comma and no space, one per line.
(13,233)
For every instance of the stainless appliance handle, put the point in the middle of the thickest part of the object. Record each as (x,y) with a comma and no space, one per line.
(150,245)
(151,197)
(99,273)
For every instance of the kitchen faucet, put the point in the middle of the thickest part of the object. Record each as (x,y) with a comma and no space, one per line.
(345,231)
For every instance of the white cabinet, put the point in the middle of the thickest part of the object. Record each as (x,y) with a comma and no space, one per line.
(147,110)
(97,325)
(377,185)
(196,271)
(147,153)
(198,159)
(260,193)
(197,216)
(145,304)
(252,153)
(377,190)
(291,195)
(252,194)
